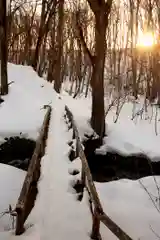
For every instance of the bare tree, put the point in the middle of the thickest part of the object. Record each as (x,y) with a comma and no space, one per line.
(3,47)
(48,10)
(59,47)
(101,10)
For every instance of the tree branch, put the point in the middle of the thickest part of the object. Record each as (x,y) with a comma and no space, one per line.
(82,40)
(94,5)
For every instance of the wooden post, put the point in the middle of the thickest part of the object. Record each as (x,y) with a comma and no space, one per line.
(19,221)
(77,151)
(74,136)
(96,226)
(83,176)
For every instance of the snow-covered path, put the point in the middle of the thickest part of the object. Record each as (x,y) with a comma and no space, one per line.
(58,214)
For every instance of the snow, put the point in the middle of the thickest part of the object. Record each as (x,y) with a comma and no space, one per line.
(126,136)
(81,108)
(11,180)
(22,112)
(130,206)
(63,217)
(129,137)
(133,205)
(57,212)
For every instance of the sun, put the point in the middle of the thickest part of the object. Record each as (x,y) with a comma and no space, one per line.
(146,40)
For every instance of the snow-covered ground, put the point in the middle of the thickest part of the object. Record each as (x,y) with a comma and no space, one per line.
(128,204)
(134,136)
(126,136)
(22,112)
(133,205)
(11,180)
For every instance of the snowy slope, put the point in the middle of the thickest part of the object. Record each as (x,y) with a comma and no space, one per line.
(21,111)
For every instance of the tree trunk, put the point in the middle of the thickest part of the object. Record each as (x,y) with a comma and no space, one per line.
(97,79)
(101,10)
(37,50)
(46,16)
(3,47)
(51,54)
(58,68)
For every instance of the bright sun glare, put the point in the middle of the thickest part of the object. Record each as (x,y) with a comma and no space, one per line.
(146,40)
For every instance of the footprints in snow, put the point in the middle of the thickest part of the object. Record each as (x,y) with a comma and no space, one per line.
(75,182)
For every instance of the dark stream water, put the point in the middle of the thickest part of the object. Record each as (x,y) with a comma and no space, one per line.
(113,166)
(17,152)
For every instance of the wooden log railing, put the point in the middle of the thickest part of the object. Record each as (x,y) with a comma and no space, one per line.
(86,178)
(29,189)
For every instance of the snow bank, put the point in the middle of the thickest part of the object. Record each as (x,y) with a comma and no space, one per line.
(137,136)
(11,180)
(21,111)
(131,207)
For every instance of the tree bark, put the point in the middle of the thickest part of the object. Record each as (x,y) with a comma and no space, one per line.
(59,52)
(48,10)
(3,47)
(101,10)
(97,79)
(51,54)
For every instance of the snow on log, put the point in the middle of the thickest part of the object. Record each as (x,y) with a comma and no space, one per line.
(26,200)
